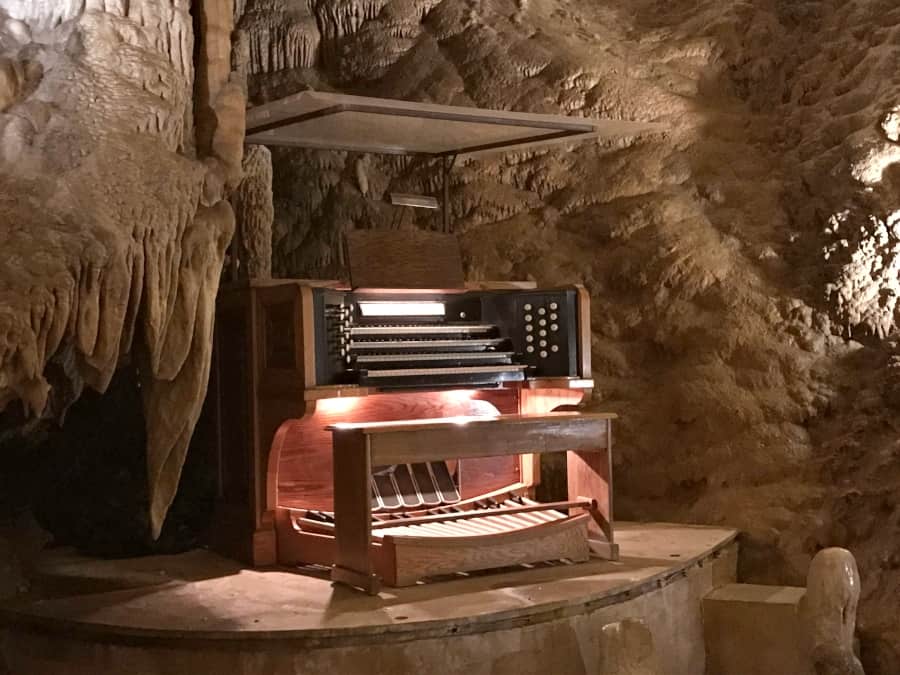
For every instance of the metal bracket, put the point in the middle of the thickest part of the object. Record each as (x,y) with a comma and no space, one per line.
(447,163)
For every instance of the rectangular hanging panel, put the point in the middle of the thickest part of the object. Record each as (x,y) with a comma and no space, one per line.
(328,121)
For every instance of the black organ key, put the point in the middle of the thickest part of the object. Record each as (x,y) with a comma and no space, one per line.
(444,482)
(425,482)
(406,486)
(383,479)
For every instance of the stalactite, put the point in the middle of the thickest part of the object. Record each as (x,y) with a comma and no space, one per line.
(175,385)
(338,18)
(113,241)
(278,37)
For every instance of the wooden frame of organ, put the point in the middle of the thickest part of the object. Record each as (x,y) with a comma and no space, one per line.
(431,460)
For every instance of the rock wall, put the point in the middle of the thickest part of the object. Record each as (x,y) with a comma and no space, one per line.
(743,267)
(113,217)
(254,212)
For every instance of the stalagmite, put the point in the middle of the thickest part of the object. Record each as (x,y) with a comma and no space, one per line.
(828,612)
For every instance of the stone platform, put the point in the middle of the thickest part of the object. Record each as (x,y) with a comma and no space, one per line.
(199,613)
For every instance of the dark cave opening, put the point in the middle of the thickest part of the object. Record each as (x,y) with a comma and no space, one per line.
(86,481)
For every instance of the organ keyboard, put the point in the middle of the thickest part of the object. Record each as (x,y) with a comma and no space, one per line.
(470,338)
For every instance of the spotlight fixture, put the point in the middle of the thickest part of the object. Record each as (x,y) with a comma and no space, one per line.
(414,201)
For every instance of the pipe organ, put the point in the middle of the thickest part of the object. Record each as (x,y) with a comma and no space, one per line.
(394,435)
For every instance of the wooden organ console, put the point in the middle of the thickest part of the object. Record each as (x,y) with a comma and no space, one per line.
(394,434)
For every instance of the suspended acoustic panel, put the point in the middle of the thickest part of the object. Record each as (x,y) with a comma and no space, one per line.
(321,120)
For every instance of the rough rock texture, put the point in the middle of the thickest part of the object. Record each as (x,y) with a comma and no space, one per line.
(21,539)
(277,35)
(743,266)
(254,212)
(828,611)
(113,222)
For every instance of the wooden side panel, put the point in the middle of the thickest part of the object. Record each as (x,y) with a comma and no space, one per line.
(306,346)
(584,338)
(280,344)
(258,384)
(296,547)
(590,475)
(539,401)
(278,387)
(481,475)
(536,402)
(352,512)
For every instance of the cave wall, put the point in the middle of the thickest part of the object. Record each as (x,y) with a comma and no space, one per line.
(121,134)
(742,266)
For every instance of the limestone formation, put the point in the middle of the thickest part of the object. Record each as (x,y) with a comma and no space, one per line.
(112,237)
(868,286)
(254,212)
(828,612)
(277,36)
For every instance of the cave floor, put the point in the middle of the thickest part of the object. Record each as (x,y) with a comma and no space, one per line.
(202,595)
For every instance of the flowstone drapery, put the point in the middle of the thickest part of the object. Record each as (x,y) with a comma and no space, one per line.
(113,217)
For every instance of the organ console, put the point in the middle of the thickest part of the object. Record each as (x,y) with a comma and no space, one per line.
(395,434)
(391,427)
